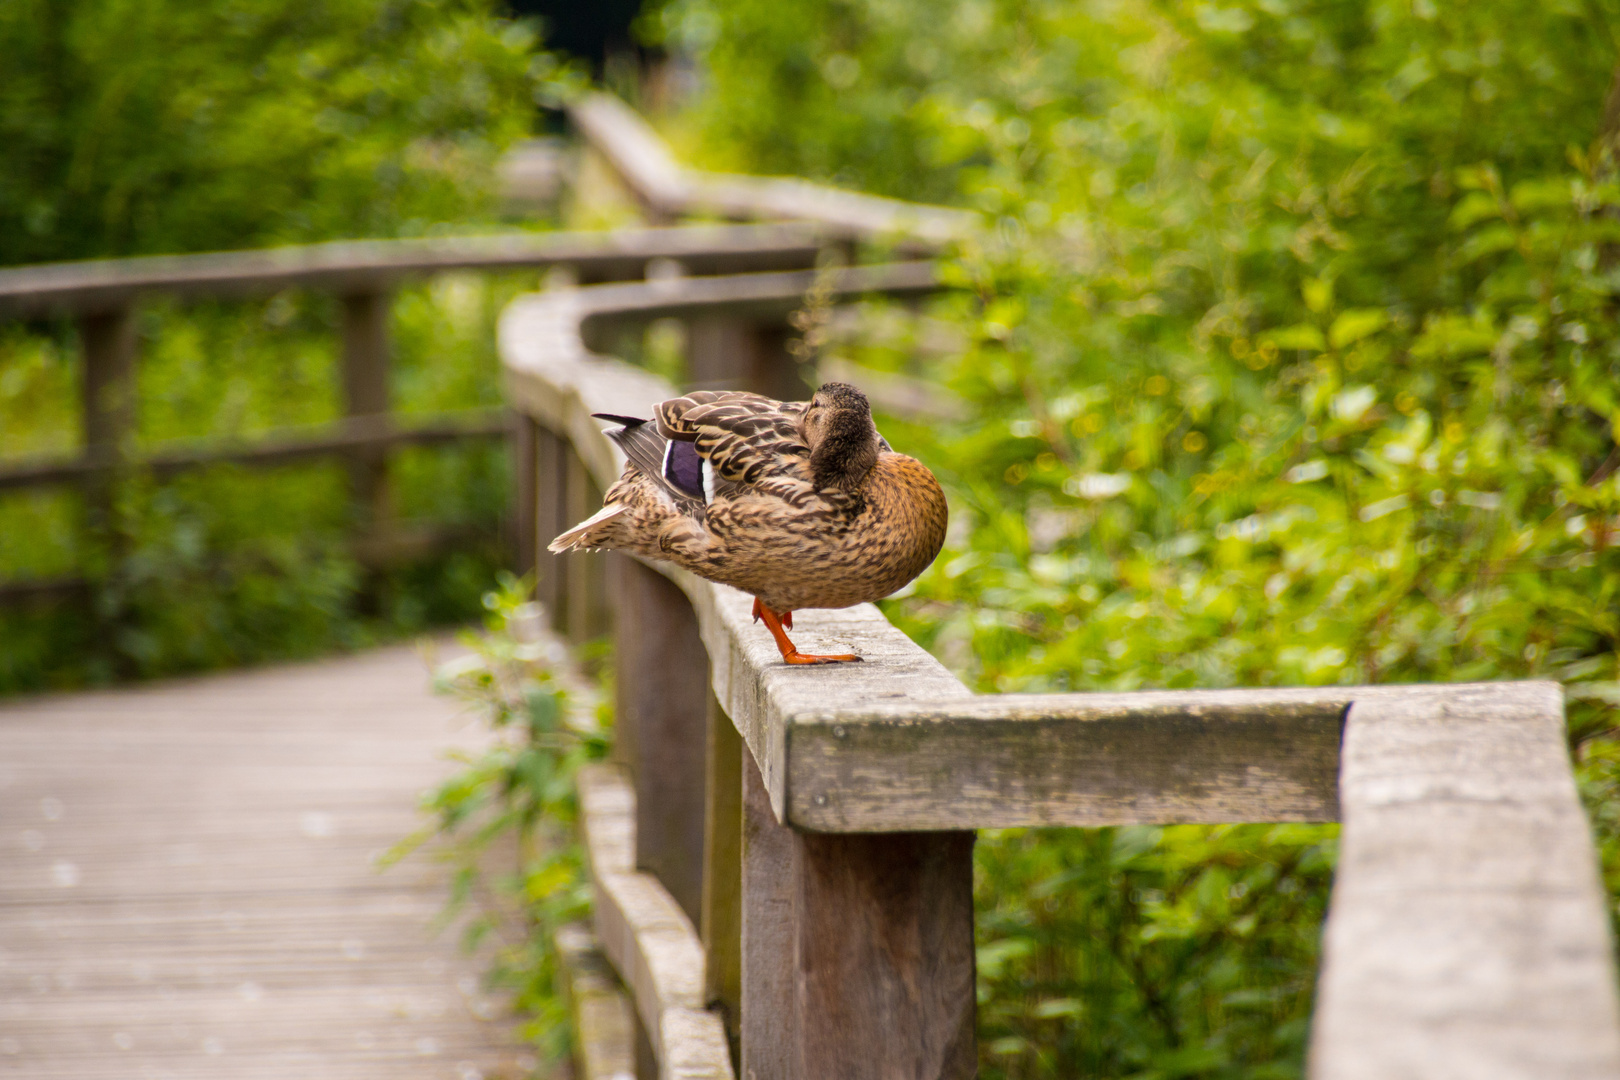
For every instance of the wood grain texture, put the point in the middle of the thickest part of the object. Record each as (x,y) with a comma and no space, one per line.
(769,903)
(668,189)
(661,686)
(1069,759)
(883,957)
(1467,935)
(857,951)
(646,935)
(721,924)
(191,887)
(368,265)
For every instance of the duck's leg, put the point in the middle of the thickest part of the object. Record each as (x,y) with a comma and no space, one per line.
(786,616)
(774,623)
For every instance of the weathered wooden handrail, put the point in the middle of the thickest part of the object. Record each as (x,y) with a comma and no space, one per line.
(279,446)
(350,266)
(1467,934)
(103,294)
(670,190)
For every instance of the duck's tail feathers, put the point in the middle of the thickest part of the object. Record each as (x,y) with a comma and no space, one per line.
(593,532)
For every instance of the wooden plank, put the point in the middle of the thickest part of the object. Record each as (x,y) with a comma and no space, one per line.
(755,298)
(884,972)
(281,446)
(373,265)
(769,914)
(191,887)
(857,951)
(1064,759)
(603,1020)
(1467,934)
(661,684)
(646,935)
(765,697)
(721,922)
(668,189)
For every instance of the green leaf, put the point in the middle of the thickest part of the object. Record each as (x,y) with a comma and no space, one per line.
(1354,324)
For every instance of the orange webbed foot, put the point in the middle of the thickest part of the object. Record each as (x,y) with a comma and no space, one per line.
(777,624)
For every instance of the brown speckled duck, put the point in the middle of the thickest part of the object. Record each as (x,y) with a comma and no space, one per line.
(802,503)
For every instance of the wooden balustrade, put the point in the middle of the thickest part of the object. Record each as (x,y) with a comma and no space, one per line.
(832,935)
(668,190)
(103,296)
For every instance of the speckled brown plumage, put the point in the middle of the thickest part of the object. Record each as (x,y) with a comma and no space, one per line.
(806,505)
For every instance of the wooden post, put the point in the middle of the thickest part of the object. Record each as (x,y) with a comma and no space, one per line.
(107,402)
(525,510)
(551,510)
(769,869)
(884,956)
(365,394)
(585,574)
(857,951)
(662,688)
(721,924)
(732,354)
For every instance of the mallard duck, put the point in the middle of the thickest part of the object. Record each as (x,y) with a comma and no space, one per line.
(802,504)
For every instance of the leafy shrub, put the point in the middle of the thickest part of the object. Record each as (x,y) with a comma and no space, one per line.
(171,127)
(506,822)
(1290,353)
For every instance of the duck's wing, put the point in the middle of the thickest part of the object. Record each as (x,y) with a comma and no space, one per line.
(746,439)
(673,466)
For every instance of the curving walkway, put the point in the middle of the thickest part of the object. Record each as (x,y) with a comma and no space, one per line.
(187,885)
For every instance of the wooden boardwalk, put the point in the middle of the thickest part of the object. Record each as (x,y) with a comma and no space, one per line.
(188,889)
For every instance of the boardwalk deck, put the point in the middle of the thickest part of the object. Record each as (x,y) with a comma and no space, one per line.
(188,889)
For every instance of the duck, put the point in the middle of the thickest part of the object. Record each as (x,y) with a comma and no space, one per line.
(801,504)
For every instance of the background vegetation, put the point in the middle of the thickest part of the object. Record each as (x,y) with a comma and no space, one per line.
(171,127)
(1291,357)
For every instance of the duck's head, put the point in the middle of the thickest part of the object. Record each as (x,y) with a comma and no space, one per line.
(843,441)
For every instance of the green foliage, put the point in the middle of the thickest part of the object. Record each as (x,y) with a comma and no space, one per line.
(168,125)
(229,565)
(1290,350)
(134,128)
(1210,933)
(518,794)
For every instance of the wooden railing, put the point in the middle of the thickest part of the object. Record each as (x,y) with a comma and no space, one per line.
(668,190)
(782,856)
(103,297)
(803,836)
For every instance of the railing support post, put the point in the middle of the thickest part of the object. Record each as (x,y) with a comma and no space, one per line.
(734,354)
(857,951)
(550,503)
(662,686)
(721,925)
(585,576)
(107,340)
(366,394)
(525,493)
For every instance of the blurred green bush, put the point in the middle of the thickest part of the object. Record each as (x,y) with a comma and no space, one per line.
(1290,351)
(171,127)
